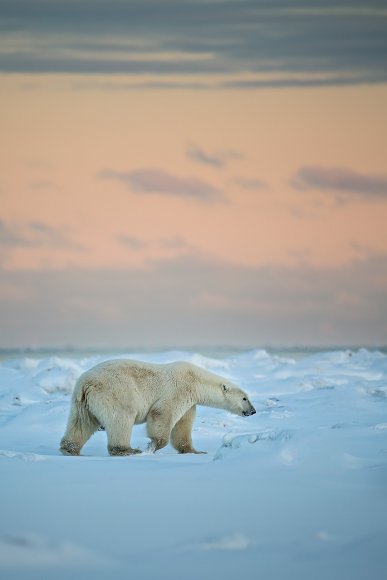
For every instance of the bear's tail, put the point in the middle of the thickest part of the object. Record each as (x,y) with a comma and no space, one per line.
(81,424)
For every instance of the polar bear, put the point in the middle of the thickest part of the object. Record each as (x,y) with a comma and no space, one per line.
(118,394)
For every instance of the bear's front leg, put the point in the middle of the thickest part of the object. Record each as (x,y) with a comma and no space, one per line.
(181,437)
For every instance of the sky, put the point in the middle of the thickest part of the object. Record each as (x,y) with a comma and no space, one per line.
(193,172)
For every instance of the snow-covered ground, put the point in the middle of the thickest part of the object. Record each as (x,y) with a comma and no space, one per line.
(299,490)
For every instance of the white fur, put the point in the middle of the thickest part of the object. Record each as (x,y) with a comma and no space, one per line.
(121,393)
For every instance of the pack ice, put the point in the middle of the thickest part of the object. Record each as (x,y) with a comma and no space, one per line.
(296,491)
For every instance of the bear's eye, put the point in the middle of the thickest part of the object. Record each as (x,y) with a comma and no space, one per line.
(244,399)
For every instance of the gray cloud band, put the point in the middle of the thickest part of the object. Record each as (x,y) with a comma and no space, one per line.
(206,302)
(337,43)
(340,180)
(157,181)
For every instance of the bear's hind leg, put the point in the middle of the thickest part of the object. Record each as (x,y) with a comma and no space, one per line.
(159,429)
(119,430)
(80,427)
(181,437)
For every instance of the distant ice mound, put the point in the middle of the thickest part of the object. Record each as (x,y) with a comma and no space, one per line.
(23,552)
(243,441)
(57,375)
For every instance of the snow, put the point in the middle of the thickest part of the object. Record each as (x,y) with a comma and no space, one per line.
(296,491)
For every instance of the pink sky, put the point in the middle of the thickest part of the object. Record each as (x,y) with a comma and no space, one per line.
(216,215)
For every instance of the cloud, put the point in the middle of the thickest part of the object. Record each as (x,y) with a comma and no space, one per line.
(34,234)
(176,243)
(323,43)
(198,300)
(217,159)
(200,156)
(151,181)
(329,79)
(44,184)
(250,184)
(339,180)
(131,242)
(8,237)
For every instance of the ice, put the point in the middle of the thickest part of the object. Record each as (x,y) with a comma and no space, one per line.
(235,542)
(296,491)
(31,551)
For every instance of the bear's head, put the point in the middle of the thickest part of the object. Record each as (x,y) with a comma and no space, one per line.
(236,400)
